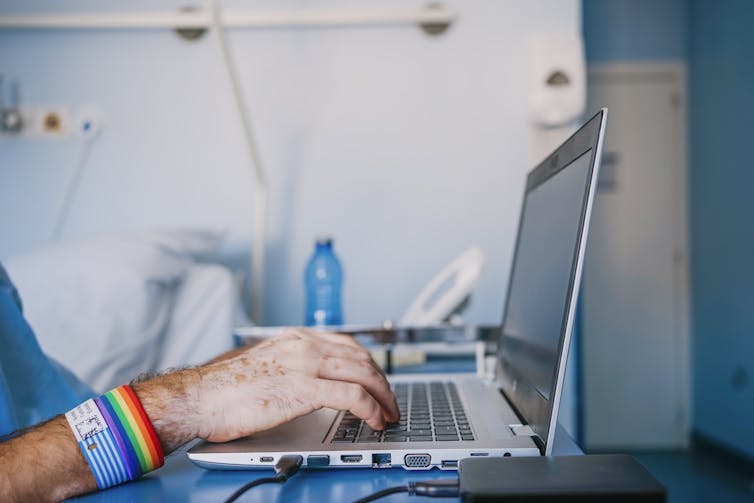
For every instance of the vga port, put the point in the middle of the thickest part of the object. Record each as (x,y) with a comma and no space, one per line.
(417,460)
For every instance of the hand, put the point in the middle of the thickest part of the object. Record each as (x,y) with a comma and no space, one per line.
(239,393)
(290,375)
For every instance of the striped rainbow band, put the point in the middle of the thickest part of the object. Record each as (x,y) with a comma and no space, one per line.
(132,429)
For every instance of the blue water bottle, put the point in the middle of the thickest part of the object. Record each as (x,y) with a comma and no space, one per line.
(324,278)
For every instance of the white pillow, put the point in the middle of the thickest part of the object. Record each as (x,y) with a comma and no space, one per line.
(100,306)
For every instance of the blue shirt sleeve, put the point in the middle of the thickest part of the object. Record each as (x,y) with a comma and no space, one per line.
(33,387)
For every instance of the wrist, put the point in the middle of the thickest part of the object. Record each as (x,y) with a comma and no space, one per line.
(171,402)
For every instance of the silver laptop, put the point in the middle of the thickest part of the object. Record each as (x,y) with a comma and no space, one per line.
(445,418)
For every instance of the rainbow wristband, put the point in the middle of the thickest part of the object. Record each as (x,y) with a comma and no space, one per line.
(116,437)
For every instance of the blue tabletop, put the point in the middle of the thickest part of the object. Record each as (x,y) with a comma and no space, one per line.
(180,480)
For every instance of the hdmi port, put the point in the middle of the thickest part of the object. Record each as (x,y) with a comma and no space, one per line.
(450,463)
(351,458)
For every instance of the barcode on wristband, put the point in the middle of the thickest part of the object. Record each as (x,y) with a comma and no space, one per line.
(97,444)
(86,420)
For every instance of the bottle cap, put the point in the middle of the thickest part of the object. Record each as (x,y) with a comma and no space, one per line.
(323,240)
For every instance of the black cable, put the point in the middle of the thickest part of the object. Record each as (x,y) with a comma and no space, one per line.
(382,494)
(285,468)
(443,488)
(253,483)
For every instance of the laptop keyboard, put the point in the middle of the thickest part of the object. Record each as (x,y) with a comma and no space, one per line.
(429,412)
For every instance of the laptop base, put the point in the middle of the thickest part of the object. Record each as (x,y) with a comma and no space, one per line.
(310,436)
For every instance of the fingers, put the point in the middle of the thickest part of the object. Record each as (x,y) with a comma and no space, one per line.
(364,374)
(343,364)
(344,359)
(350,396)
(341,360)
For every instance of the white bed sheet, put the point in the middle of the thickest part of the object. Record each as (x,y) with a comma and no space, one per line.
(112,307)
(207,307)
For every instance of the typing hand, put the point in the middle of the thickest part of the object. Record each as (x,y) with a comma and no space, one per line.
(257,388)
(288,376)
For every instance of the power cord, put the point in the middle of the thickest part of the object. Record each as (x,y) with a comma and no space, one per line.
(443,488)
(285,468)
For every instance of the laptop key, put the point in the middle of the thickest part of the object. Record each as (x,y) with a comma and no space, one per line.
(420,438)
(445,438)
(370,435)
(467,437)
(445,430)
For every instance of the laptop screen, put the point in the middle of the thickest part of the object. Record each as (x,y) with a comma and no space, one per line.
(545,253)
(544,278)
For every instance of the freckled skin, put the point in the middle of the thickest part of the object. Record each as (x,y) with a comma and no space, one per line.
(291,375)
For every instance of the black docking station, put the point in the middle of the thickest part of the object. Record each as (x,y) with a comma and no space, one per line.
(585,479)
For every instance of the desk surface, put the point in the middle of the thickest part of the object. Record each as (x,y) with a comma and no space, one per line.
(180,480)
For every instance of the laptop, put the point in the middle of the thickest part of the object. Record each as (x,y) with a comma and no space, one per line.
(445,418)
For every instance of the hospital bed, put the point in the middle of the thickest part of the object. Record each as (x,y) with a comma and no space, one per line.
(114,306)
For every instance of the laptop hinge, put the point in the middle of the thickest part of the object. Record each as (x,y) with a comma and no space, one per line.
(521,430)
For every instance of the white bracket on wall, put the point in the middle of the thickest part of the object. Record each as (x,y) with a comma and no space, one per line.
(432,18)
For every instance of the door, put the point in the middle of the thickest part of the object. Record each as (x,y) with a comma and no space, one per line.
(635,380)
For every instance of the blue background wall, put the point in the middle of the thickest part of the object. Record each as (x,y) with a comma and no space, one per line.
(717,42)
(721,81)
(634,30)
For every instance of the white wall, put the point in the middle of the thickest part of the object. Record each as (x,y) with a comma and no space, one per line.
(406,148)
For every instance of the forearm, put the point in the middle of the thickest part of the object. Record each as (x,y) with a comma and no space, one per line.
(44,464)
(171,403)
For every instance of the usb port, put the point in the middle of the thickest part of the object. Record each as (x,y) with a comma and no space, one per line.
(351,458)
(449,463)
(317,460)
(381,461)
(266,459)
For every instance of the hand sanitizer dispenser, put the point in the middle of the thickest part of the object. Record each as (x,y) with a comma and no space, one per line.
(557,79)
